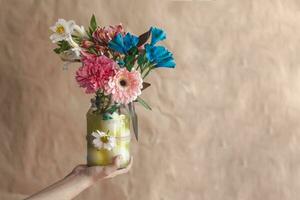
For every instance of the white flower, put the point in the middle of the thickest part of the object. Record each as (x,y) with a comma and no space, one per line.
(79,31)
(103,141)
(62,30)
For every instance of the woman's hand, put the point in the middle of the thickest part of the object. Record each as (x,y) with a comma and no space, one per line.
(79,179)
(96,173)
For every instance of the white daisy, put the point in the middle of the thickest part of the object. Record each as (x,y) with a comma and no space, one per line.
(62,30)
(103,141)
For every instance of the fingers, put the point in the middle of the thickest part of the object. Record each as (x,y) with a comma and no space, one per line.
(112,168)
(121,171)
(104,172)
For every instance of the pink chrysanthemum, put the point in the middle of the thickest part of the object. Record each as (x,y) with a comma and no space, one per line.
(125,86)
(95,72)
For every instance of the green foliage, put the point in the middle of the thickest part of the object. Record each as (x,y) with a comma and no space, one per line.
(93,23)
(133,51)
(130,58)
(62,46)
(106,116)
(143,103)
(146,69)
(134,119)
(129,61)
(93,26)
(141,59)
(77,39)
(108,112)
(112,109)
(92,50)
(90,33)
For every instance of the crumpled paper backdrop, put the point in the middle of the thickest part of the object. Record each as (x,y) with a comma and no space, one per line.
(224,125)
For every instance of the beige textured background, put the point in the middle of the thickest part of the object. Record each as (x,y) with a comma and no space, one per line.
(225,123)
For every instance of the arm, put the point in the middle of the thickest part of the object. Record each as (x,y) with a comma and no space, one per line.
(78,180)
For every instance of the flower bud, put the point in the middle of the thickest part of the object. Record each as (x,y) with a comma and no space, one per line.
(86,44)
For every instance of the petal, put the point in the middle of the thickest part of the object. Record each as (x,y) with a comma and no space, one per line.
(61,21)
(169,63)
(112,140)
(70,26)
(56,38)
(97,143)
(106,146)
(101,134)
(95,134)
(53,28)
(117,43)
(130,41)
(157,35)
(148,49)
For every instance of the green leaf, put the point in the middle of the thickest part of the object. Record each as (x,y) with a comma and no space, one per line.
(141,59)
(57,50)
(106,116)
(77,39)
(133,51)
(147,69)
(90,33)
(93,23)
(92,51)
(134,119)
(143,103)
(112,109)
(129,62)
(62,46)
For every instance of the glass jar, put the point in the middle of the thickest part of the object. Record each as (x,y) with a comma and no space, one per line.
(118,128)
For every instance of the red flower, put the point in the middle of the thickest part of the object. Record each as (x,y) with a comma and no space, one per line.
(95,72)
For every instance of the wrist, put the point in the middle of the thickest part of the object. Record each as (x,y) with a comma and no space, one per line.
(85,177)
(81,177)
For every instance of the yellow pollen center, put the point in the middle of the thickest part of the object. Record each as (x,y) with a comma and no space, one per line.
(60,29)
(104,139)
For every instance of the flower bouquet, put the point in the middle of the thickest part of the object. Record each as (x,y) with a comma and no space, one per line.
(115,64)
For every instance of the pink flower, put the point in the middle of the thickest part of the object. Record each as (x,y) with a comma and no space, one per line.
(95,73)
(86,43)
(125,86)
(105,34)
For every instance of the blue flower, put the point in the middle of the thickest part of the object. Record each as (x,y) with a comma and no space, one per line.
(160,56)
(123,44)
(157,35)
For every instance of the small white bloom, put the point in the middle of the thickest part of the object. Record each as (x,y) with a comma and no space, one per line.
(79,31)
(103,141)
(62,30)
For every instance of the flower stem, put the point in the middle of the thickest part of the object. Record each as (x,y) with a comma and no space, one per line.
(149,68)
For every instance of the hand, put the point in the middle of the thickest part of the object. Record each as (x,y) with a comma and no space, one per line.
(79,179)
(96,173)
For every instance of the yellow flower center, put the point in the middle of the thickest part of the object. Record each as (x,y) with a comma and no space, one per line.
(104,139)
(60,29)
